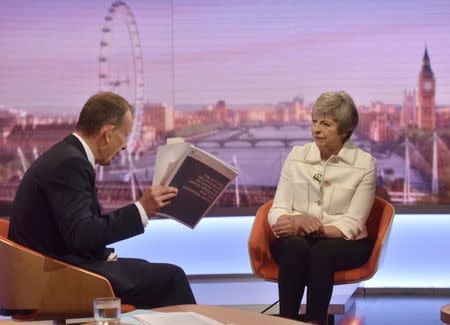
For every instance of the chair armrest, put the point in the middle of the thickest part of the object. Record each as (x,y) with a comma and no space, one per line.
(32,281)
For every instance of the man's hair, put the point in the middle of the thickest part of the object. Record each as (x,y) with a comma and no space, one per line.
(341,108)
(101,109)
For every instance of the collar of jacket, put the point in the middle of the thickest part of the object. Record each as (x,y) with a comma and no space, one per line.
(73,140)
(347,153)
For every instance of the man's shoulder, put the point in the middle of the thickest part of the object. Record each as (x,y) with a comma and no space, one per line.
(64,149)
(60,154)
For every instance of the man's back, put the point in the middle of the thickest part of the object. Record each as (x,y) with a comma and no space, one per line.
(33,220)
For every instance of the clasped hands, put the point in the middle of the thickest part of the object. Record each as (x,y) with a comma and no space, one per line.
(300,224)
(157,197)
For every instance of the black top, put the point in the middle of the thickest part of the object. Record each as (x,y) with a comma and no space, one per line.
(56,209)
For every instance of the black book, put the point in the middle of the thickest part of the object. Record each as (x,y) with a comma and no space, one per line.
(199,176)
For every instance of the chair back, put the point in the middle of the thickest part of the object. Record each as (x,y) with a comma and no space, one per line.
(378,226)
(261,260)
(34,286)
(4,228)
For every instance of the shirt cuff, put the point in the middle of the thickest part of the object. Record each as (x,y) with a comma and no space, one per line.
(112,257)
(142,213)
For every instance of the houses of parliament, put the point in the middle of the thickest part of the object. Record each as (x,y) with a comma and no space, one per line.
(422,114)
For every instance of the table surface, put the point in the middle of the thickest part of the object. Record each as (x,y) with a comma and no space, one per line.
(445,314)
(225,315)
(233,316)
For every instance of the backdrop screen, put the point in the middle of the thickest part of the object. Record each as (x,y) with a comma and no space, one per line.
(236,78)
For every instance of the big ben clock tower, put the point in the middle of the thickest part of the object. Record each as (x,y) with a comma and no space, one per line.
(426,117)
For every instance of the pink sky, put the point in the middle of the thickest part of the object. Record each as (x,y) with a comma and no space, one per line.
(239,51)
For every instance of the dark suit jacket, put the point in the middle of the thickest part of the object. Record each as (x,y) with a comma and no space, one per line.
(56,210)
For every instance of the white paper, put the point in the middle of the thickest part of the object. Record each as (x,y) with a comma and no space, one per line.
(170,156)
(185,318)
(167,156)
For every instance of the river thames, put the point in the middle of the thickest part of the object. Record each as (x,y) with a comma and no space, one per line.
(258,153)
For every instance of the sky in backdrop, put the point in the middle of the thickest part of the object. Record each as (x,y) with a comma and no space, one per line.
(244,52)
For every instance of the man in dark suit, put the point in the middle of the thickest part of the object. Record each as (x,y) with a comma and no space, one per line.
(56,210)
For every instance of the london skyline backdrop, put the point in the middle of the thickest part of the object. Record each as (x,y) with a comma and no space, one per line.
(243,52)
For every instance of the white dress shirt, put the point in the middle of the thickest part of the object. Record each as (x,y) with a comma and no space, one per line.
(339,192)
(91,159)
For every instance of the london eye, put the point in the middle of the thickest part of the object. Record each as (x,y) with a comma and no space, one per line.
(121,69)
(111,76)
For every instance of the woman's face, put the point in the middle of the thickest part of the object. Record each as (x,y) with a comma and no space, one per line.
(326,134)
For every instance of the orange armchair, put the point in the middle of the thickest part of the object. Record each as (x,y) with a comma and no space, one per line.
(37,287)
(378,225)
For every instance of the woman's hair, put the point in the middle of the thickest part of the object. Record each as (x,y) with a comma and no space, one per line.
(341,108)
(101,109)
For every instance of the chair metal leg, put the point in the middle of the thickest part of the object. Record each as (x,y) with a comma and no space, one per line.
(270,307)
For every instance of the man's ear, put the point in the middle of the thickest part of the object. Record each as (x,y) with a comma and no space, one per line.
(106,132)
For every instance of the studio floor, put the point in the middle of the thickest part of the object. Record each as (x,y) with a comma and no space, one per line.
(372,306)
(411,309)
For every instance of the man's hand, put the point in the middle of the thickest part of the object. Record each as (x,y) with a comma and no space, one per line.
(156,197)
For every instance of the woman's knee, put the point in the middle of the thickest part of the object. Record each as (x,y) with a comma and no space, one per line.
(297,243)
(295,248)
(323,253)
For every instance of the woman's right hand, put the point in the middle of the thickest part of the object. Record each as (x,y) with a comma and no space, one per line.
(285,226)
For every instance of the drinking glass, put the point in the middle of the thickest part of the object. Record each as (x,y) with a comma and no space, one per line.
(107,311)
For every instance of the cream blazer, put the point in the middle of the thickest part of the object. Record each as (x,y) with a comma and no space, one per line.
(339,192)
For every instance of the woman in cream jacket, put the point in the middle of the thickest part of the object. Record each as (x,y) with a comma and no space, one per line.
(324,196)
